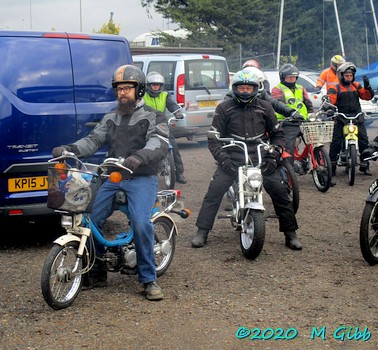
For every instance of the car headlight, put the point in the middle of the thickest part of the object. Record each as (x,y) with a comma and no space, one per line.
(255,180)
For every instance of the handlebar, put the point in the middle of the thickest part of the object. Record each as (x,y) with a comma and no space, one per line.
(231,142)
(108,162)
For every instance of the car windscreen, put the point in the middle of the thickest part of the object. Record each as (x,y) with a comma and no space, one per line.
(206,73)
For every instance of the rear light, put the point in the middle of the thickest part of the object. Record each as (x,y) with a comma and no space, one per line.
(15,212)
(66,36)
(180,89)
(178,194)
(205,56)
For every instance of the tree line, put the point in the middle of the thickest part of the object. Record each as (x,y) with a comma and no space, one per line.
(250,28)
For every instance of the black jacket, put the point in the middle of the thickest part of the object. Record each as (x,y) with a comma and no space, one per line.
(245,122)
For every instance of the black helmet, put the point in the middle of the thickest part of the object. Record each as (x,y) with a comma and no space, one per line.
(245,77)
(133,75)
(288,69)
(347,67)
(155,78)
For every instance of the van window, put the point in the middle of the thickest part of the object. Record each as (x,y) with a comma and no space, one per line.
(93,84)
(47,80)
(211,74)
(167,70)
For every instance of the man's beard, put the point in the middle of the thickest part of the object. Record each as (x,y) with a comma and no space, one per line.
(126,108)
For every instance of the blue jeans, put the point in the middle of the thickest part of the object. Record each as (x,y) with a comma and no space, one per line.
(141,194)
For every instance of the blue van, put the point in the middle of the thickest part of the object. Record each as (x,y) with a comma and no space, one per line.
(54,88)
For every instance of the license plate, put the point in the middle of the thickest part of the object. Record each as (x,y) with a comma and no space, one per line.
(209,103)
(21,184)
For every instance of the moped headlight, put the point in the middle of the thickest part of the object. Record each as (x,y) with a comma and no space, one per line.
(66,221)
(255,180)
(352,128)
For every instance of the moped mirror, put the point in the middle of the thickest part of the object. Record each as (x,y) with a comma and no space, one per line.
(213,135)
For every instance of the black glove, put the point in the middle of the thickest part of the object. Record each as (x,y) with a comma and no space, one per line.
(325,98)
(270,165)
(366,81)
(296,116)
(132,162)
(58,151)
(229,167)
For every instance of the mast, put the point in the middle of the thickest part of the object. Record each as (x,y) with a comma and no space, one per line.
(339,29)
(280,34)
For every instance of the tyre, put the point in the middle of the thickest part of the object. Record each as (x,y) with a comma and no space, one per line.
(252,240)
(290,180)
(369,233)
(351,161)
(60,286)
(168,172)
(165,243)
(322,174)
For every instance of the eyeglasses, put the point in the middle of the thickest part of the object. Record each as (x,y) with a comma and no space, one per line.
(124,89)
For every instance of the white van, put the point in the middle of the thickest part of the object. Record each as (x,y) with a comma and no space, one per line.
(198,83)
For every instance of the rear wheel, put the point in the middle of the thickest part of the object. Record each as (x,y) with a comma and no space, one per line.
(165,243)
(252,240)
(60,285)
(351,163)
(322,174)
(369,233)
(290,180)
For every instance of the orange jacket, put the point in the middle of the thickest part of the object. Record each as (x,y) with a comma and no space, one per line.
(347,97)
(328,77)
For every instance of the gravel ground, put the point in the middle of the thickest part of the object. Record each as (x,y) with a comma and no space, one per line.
(323,297)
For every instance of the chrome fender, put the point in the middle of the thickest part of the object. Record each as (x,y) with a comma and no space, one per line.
(255,206)
(63,240)
(159,215)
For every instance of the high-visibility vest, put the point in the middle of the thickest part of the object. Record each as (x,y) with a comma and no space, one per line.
(296,96)
(159,102)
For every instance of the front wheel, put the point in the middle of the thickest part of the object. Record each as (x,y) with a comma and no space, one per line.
(252,240)
(290,181)
(369,233)
(351,163)
(322,172)
(168,172)
(60,285)
(165,243)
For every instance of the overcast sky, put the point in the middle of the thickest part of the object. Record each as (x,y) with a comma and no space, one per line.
(64,15)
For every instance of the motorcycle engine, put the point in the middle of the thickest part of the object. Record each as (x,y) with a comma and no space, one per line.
(129,258)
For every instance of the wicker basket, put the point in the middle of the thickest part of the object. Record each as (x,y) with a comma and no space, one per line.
(317,132)
(72,190)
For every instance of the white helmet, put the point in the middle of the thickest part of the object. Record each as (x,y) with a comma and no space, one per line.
(260,76)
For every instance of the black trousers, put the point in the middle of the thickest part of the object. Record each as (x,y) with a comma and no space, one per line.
(338,138)
(221,182)
(176,155)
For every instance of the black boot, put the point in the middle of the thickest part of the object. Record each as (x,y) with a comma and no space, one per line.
(364,168)
(333,181)
(96,277)
(200,238)
(292,241)
(180,178)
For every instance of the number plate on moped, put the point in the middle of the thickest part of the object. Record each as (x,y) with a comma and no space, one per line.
(373,187)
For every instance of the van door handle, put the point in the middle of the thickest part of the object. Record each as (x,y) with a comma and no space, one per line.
(91,125)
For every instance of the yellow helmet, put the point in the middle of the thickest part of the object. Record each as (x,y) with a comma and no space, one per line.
(337,61)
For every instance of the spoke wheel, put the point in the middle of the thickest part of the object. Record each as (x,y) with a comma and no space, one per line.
(252,240)
(322,174)
(168,171)
(165,243)
(60,286)
(369,233)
